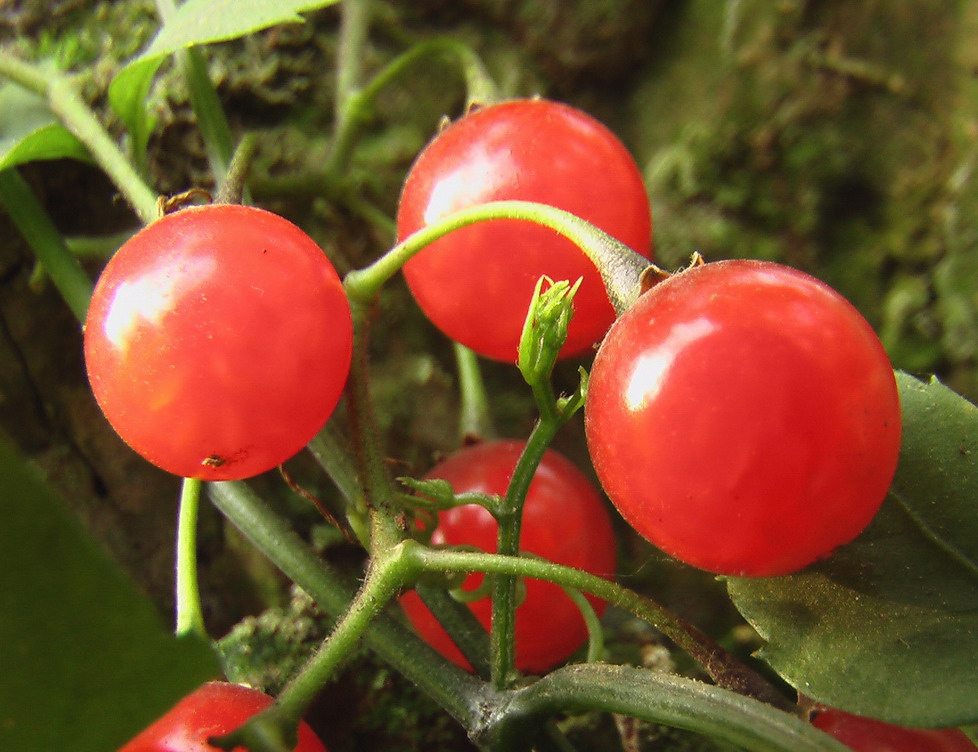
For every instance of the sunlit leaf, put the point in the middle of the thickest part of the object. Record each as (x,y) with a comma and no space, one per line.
(29,131)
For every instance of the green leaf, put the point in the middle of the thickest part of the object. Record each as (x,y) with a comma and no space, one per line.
(128,94)
(86,660)
(29,130)
(888,625)
(195,22)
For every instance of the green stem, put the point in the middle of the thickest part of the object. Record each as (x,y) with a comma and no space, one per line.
(373,474)
(461,624)
(385,576)
(334,454)
(47,243)
(457,692)
(190,618)
(211,120)
(475,417)
(353,103)
(620,267)
(502,649)
(595,636)
(77,117)
(350,107)
(232,188)
(723,667)
(655,697)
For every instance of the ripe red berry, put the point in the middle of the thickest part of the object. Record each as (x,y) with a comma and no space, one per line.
(218,341)
(214,709)
(475,284)
(744,418)
(564,521)
(869,735)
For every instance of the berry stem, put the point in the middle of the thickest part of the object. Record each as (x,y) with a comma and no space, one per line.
(454,690)
(190,618)
(620,267)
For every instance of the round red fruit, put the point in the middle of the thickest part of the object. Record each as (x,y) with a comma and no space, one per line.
(218,341)
(564,521)
(868,735)
(744,417)
(475,284)
(214,709)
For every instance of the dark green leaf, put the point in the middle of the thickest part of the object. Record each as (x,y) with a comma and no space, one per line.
(888,625)
(29,131)
(86,660)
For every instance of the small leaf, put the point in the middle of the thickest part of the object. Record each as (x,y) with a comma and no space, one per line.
(86,660)
(128,93)
(438,491)
(29,131)
(888,625)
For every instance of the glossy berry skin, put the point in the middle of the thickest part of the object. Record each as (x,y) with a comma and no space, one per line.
(475,284)
(744,417)
(564,521)
(869,735)
(218,341)
(214,709)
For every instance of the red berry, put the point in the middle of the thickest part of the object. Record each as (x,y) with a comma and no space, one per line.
(869,735)
(475,284)
(214,709)
(744,418)
(564,521)
(218,341)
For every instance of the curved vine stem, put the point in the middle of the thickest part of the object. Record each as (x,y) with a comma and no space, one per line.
(726,670)
(620,267)
(353,102)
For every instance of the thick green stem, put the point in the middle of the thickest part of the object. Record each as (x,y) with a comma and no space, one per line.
(190,617)
(334,454)
(46,242)
(457,692)
(386,575)
(620,267)
(373,475)
(654,697)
